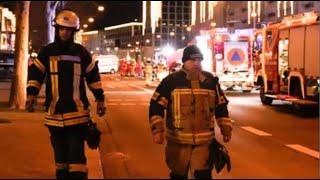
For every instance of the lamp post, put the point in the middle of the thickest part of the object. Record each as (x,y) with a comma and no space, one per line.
(254,15)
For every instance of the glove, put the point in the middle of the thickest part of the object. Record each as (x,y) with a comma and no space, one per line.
(101,109)
(93,135)
(158,138)
(226,132)
(31,103)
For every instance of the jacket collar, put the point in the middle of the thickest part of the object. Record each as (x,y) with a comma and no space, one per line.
(202,77)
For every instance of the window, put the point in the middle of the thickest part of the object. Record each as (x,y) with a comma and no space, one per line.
(244,21)
(272,14)
(244,9)
(309,5)
(231,13)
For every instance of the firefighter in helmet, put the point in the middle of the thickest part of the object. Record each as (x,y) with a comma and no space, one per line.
(194,102)
(148,72)
(66,66)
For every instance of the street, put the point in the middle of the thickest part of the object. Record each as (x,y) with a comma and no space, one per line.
(267,142)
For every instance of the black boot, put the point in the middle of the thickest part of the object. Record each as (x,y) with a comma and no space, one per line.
(78,175)
(177,176)
(62,174)
(202,174)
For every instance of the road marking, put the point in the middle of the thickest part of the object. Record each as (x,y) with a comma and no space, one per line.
(128,92)
(143,104)
(136,86)
(128,104)
(255,131)
(111,87)
(304,150)
(114,99)
(112,104)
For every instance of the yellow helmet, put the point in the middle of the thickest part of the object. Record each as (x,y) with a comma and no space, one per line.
(67,18)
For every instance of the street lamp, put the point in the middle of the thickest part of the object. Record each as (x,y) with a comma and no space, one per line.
(254,15)
(213,24)
(85,25)
(90,19)
(100,8)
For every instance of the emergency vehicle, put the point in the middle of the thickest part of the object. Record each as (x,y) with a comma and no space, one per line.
(233,65)
(227,55)
(7,40)
(287,56)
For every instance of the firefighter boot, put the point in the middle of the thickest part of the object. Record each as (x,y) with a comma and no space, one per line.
(78,175)
(177,176)
(62,174)
(202,174)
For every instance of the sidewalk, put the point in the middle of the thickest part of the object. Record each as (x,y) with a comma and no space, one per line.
(25,149)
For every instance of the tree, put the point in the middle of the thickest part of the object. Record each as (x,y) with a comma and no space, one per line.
(18,86)
(50,12)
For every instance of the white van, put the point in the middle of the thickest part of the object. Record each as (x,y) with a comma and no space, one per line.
(107,63)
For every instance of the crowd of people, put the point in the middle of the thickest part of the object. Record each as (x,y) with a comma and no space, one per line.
(141,69)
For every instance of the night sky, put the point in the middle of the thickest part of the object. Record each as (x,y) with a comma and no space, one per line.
(116,12)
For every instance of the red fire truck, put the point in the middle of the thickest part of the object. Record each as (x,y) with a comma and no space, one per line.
(286,57)
(232,61)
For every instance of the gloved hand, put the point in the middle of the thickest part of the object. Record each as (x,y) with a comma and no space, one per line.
(101,109)
(158,138)
(31,103)
(93,135)
(226,132)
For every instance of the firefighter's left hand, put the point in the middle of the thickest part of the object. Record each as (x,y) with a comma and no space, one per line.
(226,132)
(101,109)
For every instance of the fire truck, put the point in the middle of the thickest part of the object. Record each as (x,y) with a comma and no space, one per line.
(7,39)
(231,55)
(286,60)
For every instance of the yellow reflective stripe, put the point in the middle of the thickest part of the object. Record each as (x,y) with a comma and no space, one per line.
(39,65)
(76,86)
(34,83)
(77,167)
(67,115)
(90,66)
(95,85)
(155,96)
(54,83)
(155,119)
(224,121)
(61,165)
(69,122)
(163,101)
(190,138)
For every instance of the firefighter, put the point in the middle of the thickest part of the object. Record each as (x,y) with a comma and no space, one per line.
(148,69)
(66,66)
(193,101)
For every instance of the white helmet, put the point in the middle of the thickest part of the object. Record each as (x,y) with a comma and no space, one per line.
(67,18)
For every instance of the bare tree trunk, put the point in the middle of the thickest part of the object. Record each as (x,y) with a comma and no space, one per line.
(50,14)
(19,83)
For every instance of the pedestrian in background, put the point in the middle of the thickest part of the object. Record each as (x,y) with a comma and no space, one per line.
(193,101)
(66,66)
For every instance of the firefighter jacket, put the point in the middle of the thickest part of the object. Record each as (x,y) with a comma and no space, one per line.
(192,107)
(65,66)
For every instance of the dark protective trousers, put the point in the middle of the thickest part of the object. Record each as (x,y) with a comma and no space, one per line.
(184,158)
(68,147)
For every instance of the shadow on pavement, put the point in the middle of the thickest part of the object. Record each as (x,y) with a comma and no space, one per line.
(306,112)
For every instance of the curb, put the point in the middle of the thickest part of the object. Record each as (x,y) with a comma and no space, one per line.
(113,161)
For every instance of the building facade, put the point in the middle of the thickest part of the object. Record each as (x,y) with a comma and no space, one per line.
(171,22)
(245,14)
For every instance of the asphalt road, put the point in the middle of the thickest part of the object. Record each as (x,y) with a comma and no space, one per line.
(267,142)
